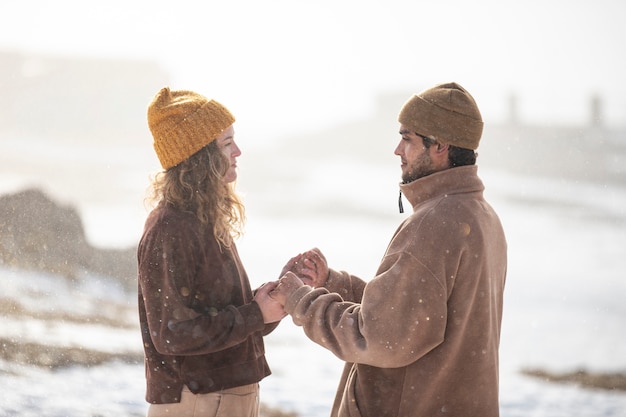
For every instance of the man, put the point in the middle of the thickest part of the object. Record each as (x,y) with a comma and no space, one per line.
(421,338)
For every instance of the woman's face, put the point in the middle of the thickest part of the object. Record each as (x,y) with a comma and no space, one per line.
(226,143)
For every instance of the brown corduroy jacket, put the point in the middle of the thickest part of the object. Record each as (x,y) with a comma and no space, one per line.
(199,323)
(421,338)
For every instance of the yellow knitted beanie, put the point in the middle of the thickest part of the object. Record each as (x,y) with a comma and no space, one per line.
(446,113)
(183,122)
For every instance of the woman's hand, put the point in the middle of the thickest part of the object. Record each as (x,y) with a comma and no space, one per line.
(271,309)
(286,286)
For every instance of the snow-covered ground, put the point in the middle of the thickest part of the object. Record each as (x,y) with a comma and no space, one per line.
(564,306)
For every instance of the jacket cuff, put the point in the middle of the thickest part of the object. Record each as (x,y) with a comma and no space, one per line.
(336,282)
(295,298)
(253,317)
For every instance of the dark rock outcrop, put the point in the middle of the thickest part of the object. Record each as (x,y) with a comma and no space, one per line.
(38,234)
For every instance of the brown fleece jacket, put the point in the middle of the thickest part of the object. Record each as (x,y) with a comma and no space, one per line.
(199,323)
(421,338)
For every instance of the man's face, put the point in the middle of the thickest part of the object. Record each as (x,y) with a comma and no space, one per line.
(415,159)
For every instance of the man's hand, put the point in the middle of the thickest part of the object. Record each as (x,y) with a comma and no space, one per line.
(311,267)
(314,268)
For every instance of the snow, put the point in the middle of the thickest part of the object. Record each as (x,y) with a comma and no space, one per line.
(564,306)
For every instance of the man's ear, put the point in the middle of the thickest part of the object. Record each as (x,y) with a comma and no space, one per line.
(442,147)
(439,155)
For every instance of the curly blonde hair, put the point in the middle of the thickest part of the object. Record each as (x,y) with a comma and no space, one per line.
(196,185)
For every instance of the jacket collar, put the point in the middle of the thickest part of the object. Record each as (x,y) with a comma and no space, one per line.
(450,181)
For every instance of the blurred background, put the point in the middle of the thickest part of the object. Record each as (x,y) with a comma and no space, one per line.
(80,74)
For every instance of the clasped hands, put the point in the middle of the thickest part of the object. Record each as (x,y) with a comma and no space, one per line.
(308,268)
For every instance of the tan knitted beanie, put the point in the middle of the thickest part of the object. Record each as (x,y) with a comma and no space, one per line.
(183,122)
(446,113)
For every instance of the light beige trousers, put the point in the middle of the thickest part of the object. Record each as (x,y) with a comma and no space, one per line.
(234,402)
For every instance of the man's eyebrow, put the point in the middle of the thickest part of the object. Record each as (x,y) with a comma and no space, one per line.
(404,132)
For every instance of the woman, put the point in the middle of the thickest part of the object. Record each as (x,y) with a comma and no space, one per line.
(202,327)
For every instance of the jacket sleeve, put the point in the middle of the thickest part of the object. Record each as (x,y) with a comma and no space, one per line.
(169,275)
(348,286)
(270,327)
(401,317)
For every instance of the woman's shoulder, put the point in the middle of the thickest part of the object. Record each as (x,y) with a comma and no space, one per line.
(166,217)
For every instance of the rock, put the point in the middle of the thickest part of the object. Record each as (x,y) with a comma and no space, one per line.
(612,381)
(38,234)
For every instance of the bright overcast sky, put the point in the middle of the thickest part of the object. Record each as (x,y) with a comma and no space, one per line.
(310,62)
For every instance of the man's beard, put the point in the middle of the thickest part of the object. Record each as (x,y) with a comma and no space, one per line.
(420,168)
